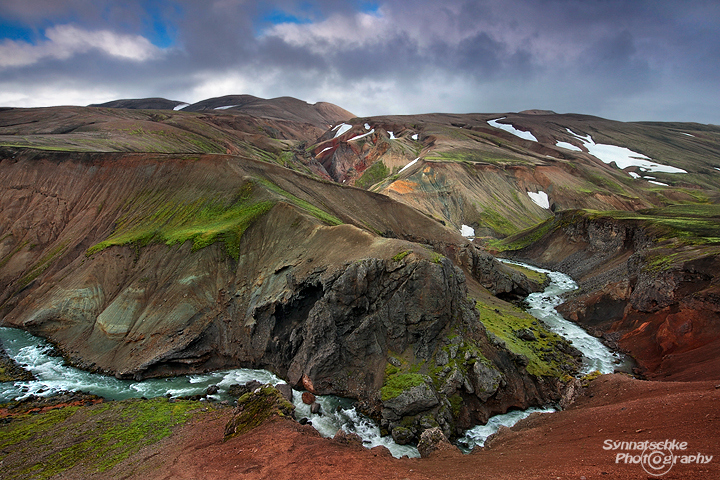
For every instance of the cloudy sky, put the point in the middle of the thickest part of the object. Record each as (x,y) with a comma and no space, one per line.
(619,59)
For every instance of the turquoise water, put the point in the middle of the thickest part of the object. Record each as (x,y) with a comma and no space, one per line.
(53,376)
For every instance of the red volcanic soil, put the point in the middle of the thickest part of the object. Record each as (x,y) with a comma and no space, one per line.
(563,445)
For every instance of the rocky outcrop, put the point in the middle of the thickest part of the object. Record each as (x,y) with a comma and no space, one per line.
(10,371)
(433,442)
(256,407)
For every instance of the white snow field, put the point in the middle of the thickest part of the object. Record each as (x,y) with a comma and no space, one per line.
(409,165)
(340,129)
(568,146)
(513,130)
(540,199)
(623,157)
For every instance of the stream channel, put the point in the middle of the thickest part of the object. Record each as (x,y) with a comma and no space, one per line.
(53,376)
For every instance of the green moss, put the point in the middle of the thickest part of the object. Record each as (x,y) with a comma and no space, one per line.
(376,172)
(497,222)
(149,219)
(398,383)
(391,369)
(285,158)
(586,379)
(51,148)
(456,403)
(504,320)
(401,255)
(91,438)
(4,261)
(525,237)
(535,276)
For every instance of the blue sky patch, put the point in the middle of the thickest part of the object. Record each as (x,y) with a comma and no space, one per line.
(158,26)
(278,16)
(17,31)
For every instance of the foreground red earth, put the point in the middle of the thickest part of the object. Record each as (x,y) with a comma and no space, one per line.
(572,444)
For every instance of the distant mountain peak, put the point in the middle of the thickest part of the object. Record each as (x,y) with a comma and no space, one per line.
(320,114)
(536,111)
(155,103)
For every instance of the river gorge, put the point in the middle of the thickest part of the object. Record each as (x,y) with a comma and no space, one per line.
(52,376)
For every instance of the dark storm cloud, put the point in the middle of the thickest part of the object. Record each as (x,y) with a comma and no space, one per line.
(624,59)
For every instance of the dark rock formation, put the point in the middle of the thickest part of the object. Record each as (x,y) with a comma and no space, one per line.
(237,390)
(10,371)
(286,391)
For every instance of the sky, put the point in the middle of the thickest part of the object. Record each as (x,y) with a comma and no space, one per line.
(620,59)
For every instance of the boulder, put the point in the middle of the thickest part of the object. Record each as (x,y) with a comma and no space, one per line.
(308,398)
(485,379)
(433,440)
(237,390)
(526,334)
(414,400)
(402,435)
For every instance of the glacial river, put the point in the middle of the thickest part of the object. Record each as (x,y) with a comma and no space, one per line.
(53,376)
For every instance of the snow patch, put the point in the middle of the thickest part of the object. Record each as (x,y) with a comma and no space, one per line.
(392,135)
(568,146)
(225,107)
(658,183)
(181,106)
(540,199)
(409,165)
(623,157)
(513,130)
(467,231)
(689,135)
(415,137)
(634,175)
(716,168)
(367,126)
(324,150)
(363,135)
(342,128)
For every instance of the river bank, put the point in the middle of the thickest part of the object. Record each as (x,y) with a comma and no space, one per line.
(567,444)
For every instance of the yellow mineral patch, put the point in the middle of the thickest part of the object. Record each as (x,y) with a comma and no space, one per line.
(403,186)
